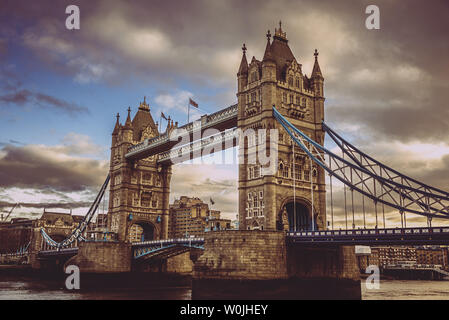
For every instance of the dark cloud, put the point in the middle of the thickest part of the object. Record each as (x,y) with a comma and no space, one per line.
(47,205)
(24,97)
(42,167)
(20,97)
(393,81)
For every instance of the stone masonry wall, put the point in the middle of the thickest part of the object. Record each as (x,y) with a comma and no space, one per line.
(335,262)
(244,255)
(103,257)
(180,264)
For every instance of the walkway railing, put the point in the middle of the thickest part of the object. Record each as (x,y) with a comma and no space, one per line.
(393,236)
(208,121)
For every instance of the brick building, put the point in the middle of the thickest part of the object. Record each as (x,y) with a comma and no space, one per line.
(382,256)
(419,255)
(433,256)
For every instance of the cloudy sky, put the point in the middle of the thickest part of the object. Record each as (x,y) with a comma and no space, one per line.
(386,90)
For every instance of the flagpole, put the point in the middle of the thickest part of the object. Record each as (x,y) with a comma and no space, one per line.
(188,112)
(160,122)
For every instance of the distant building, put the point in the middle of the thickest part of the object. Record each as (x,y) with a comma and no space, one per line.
(192,217)
(382,256)
(419,255)
(15,234)
(433,256)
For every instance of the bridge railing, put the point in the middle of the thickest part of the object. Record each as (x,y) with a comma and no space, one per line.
(196,147)
(164,242)
(205,122)
(362,232)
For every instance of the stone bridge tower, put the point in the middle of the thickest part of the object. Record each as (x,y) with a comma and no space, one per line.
(139,190)
(269,200)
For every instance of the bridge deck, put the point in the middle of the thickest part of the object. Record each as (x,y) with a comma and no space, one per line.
(220,120)
(371,237)
(389,236)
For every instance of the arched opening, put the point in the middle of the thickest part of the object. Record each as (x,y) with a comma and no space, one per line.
(58,237)
(255,226)
(299,220)
(141,231)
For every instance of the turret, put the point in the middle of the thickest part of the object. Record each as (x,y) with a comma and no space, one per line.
(317,77)
(268,62)
(242,74)
(128,129)
(116,130)
(115,135)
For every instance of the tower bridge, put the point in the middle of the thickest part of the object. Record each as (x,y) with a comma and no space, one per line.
(285,232)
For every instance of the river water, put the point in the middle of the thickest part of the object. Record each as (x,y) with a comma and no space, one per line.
(26,288)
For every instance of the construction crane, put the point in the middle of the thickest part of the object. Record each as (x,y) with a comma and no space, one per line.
(10,211)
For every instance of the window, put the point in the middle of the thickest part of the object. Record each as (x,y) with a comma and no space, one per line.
(116,200)
(291,99)
(285,173)
(253,96)
(290,81)
(146,178)
(297,172)
(256,172)
(146,199)
(284,97)
(298,100)
(297,83)
(306,175)
(253,76)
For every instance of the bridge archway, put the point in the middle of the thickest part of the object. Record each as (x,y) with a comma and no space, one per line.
(296,215)
(58,237)
(141,231)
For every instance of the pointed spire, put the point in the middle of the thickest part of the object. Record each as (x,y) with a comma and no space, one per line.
(128,123)
(117,124)
(278,33)
(143,105)
(316,72)
(243,70)
(268,56)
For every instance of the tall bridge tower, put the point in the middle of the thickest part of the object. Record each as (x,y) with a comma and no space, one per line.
(139,189)
(286,198)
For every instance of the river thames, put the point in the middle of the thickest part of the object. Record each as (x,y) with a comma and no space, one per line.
(26,288)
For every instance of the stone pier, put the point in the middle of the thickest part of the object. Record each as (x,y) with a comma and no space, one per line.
(103,257)
(260,264)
